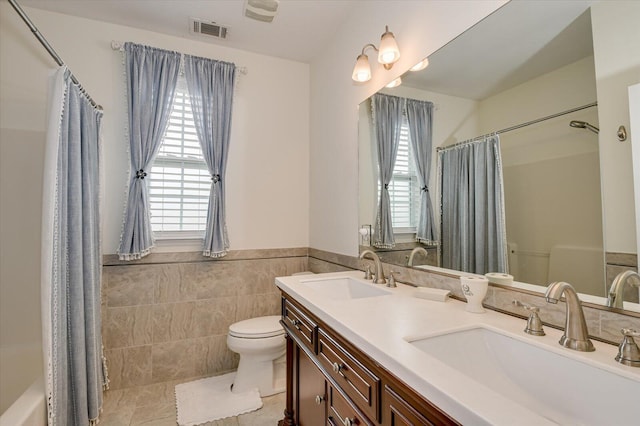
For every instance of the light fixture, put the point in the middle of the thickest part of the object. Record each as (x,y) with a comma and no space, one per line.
(261,10)
(420,65)
(388,54)
(395,83)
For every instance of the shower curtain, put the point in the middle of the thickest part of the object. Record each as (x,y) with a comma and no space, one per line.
(71,257)
(473,235)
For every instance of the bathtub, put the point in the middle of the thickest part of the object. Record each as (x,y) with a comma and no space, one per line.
(21,368)
(28,409)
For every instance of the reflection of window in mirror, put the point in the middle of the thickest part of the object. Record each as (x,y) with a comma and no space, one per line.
(404,188)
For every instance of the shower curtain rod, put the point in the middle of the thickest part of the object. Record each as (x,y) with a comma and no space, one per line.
(518,126)
(49,48)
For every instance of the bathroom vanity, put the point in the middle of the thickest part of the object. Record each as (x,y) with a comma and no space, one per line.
(335,383)
(364,354)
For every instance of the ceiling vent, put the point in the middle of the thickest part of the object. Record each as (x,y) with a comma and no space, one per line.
(211,29)
(261,10)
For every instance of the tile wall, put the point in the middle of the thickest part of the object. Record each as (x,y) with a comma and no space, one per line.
(602,324)
(400,254)
(620,262)
(166,316)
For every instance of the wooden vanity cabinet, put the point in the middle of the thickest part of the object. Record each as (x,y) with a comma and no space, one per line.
(331,382)
(311,392)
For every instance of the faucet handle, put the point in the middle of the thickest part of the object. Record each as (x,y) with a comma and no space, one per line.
(367,273)
(630,332)
(534,323)
(392,280)
(628,351)
(531,308)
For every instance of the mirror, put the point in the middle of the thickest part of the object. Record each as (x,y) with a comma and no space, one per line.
(520,69)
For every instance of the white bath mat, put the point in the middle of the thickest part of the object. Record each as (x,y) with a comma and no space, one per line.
(211,399)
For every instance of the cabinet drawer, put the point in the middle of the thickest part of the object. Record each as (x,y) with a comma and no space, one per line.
(341,412)
(398,412)
(404,410)
(300,325)
(357,381)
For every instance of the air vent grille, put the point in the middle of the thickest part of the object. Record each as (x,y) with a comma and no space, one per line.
(210,29)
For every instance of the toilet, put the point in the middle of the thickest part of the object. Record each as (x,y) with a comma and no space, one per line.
(260,342)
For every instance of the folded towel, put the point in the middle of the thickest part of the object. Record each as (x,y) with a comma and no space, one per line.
(437,294)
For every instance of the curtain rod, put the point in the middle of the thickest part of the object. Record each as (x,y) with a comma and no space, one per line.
(518,126)
(50,49)
(118,45)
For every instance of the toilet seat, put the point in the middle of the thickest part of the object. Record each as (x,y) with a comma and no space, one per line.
(257,328)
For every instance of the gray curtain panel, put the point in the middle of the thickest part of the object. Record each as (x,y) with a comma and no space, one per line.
(151,83)
(71,302)
(472,196)
(211,85)
(420,119)
(387,119)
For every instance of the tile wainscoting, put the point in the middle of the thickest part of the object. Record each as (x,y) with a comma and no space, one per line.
(603,324)
(165,317)
(620,262)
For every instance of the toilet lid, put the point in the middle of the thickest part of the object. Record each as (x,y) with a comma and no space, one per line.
(257,327)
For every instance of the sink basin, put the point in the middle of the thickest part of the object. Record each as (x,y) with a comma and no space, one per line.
(342,288)
(559,388)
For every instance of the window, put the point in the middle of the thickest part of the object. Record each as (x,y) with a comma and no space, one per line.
(404,188)
(179,182)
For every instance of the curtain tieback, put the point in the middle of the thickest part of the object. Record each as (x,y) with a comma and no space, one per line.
(140,174)
(216,178)
(424,188)
(386,186)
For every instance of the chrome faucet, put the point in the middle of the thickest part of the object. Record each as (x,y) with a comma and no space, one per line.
(413,253)
(379,273)
(576,335)
(616,292)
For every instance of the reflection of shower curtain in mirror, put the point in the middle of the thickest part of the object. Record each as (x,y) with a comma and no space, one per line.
(473,232)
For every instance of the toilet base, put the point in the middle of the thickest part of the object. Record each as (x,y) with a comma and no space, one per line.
(268,376)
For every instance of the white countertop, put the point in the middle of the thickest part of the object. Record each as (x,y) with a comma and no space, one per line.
(380,327)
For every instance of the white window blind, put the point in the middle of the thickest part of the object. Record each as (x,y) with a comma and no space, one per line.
(403,189)
(179,182)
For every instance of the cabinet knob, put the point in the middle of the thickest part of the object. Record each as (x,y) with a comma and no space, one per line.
(319,399)
(337,368)
(349,422)
(296,323)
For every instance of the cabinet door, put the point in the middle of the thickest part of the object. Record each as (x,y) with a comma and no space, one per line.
(312,393)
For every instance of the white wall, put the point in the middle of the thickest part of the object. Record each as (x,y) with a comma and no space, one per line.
(634,110)
(562,89)
(616,44)
(267,181)
(420,28)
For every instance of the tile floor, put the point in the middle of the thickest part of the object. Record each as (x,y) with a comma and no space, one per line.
(155,405)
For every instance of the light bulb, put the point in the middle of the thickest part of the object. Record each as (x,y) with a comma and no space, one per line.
(388,53)
(395,83)
(420,65)
(362,70)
